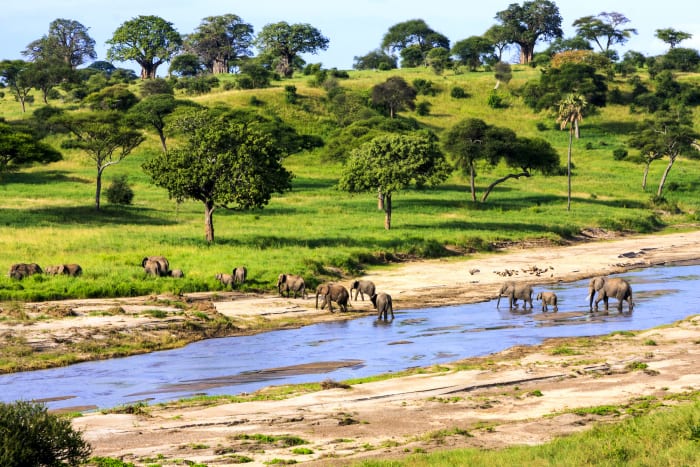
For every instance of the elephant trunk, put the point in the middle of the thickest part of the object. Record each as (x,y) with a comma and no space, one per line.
(498,303)
(591,294)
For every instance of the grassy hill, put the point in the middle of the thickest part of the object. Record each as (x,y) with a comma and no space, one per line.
(47,214)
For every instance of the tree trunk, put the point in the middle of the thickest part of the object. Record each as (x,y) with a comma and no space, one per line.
(671,160)
(387,211)
(209,221)
(161,135)
(380,199)
(644,178)
(472,184)
(577,129)
(98,188)
(568,169)
(501,180)
(219,66)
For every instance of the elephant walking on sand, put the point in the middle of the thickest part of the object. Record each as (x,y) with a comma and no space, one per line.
(291,283)
(608,287)
(362,288)
(333,293)
(515,291)
(548,298)
(382,302)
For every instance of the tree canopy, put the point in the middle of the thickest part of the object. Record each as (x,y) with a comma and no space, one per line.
(474,51)
(375,60)
(390,163)
(394,94)
(68,42)
(283,42)
(18,76)
(604,29)
(148,40)
(672,37)
(529,23)
(413,39)
(221,41)
(224,163)
(18,146)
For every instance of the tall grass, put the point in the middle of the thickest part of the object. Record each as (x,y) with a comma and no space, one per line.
(47,214)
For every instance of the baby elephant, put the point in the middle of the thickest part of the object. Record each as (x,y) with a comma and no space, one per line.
(362,288)
(225,279)
(548,298)
(65,269)
(177,273)
(382,302)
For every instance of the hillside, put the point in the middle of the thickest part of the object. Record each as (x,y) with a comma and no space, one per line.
(47,214)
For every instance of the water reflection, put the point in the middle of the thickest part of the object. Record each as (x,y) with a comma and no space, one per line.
(356,348)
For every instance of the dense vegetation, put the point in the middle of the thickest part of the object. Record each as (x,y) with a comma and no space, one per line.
(314,229)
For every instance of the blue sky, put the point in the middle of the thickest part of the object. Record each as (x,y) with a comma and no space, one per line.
(353,27)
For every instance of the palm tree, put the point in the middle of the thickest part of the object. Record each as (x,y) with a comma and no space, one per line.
(570,114)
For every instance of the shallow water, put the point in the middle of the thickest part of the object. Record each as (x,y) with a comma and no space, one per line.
(355,348)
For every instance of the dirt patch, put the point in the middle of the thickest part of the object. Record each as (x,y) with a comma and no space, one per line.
(485,402)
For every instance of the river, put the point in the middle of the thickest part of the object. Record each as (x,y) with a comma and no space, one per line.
(355,348)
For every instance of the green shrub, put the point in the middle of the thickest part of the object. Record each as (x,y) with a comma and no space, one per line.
(290,94)
(458,92)
(119,191)
(30,436)
(495,101)
(423,108)
(619,154)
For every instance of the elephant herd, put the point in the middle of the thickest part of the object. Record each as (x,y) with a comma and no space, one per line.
(329,292)
(21,270)
(605,287)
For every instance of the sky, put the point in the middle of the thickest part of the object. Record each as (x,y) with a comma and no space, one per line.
(354,27)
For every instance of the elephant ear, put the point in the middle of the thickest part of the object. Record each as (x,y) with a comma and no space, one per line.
(143,262)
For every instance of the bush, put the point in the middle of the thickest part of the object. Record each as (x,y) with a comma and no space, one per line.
(30,436)
(423,108)
(495,101)
(290,94)
(458,92)
(619,154)
(119,192)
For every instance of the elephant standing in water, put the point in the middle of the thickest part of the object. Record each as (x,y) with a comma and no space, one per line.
(608,287)
(333,293)
(382,302)
(548,298)
(515,291)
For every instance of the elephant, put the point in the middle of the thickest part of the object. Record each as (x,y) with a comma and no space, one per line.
(72,270)
(362,288)
(607,287)
(291,283)
(333,293)
(515,291)
(382,302)
(156,265)
(177,273)
(239,274)
(22,270)
(548,298)
(225,279)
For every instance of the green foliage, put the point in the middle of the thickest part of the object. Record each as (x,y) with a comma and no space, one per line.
(556,83)
(458,92)
(109,462)
(148,40)
(619,153)
(394,95)
(284,42)
(30,436)
(423,108)
(119,191)
(495,101)
(197,85)
(186,66)
(474,51)
(117,97)
(18,146)
(413,36)
(290,94)
(375,60)
(156,86)
(221,41)
(425,87)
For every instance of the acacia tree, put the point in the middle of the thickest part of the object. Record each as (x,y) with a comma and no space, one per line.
(413,39)
(104,136)
(68,41)
(389,163)
(20,147)
(220,41)
(466,143)
(672,36)
(669,134)
(604,29)
(474,51)
(223,164)
(17,76)
(394,94)
(284,42)
(148,40)
(570,114)
(527,24)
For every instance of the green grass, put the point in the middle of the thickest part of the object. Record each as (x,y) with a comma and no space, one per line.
(668,436)
(47,215)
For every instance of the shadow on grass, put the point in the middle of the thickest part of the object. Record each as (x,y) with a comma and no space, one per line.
(42,178)
(85,215)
